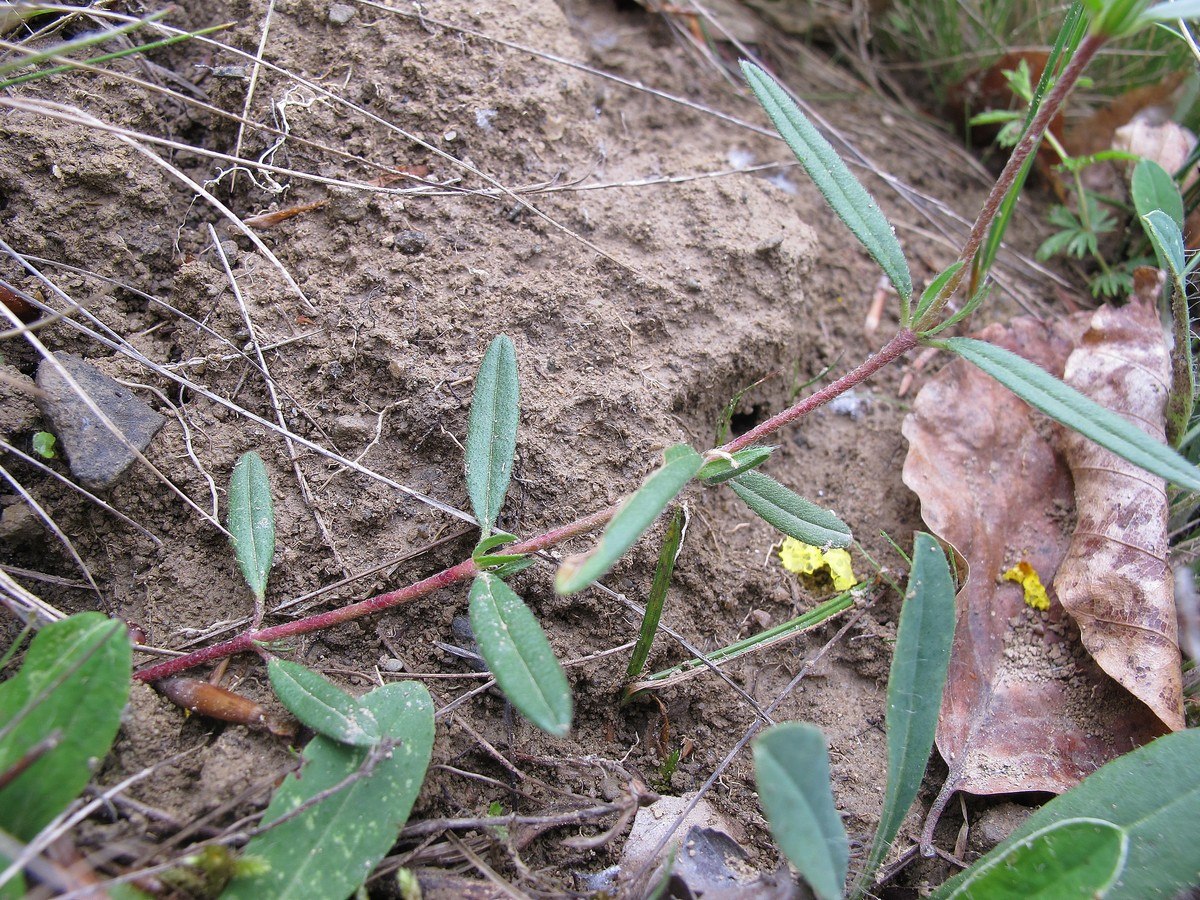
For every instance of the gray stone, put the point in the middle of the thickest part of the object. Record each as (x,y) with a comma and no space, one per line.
(19,525)
(341,13)
(96,456)
(995,824)
(411,242)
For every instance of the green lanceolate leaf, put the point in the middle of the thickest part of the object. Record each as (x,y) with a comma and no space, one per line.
(790,513)
(919,662)
(1075,858)
(1172,11)
(330,848)
(1064,404)
(252,521)
(680,465)
(1154,794)
(69,693)
(935,288)
(322,705)
(1152,187)
(492,431)
(485,559)
(716,471)
(968,309)
(515,648)
(791,766)
(842,191)
(1167,239)
(672,541)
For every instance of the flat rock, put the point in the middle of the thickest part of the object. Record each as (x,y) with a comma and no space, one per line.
(97,457)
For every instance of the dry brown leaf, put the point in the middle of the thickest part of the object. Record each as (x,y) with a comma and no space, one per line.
(1025,708)
(1115,580)
(1165,142)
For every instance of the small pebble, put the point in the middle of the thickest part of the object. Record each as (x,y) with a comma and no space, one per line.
(769,246)
(388,664)
(850,405)
(412,242)
(341,13)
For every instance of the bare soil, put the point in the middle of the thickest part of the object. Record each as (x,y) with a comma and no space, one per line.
(652,282)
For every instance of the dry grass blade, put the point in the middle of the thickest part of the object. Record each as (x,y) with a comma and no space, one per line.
(103,504)
(100,415)
(49,522)
(126,349)
(24,604)
(276,406)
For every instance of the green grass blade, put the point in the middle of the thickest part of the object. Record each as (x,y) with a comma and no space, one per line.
(515,648)
(1154,794)
(492,431)
(1070,33)
(74,681)
(252,521)
(919,662)
(791,513)
(717,471)
(726,418)
(330,848)
(109,57)
(1066,405)
(90,39)
(680,465)
(784,631)
(1075,858)
(842,191)
(791,765)
(1152,187)
(672,541)
(322,705)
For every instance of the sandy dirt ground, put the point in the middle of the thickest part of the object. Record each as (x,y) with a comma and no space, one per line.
(589,184)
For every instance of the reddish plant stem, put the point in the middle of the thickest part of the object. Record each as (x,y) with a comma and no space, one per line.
(1029,142)
(904,341)
(466,569)
(248,640)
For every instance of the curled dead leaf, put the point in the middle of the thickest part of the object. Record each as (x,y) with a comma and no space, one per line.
(1167,143)
(1025,708)
(1115,580)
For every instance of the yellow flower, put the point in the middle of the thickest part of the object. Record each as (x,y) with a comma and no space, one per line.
(805,559)
(1025,575)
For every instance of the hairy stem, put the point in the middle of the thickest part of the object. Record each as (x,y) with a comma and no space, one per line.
(250,639)
(1029,141)
(905,340)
